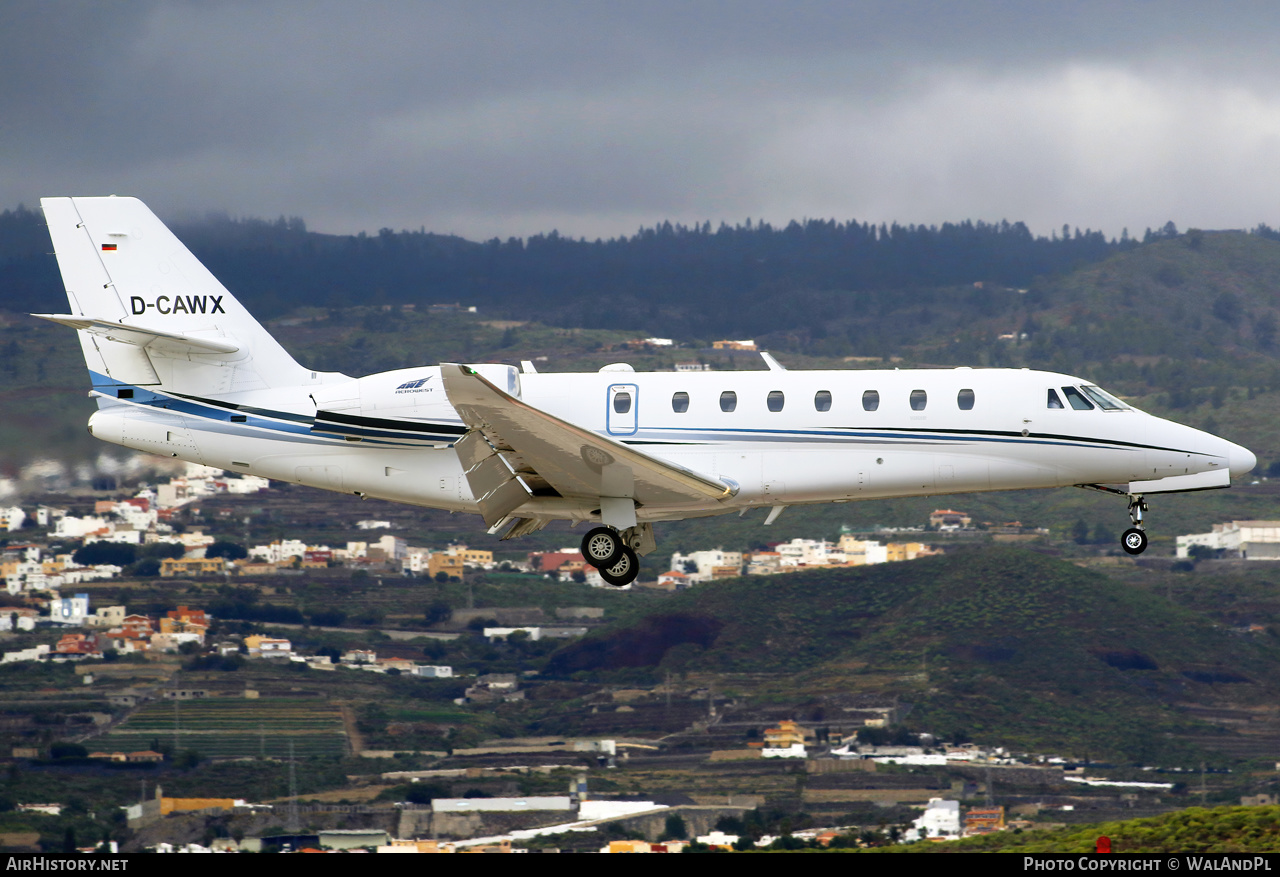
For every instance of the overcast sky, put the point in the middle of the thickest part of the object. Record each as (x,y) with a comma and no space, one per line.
(500,119)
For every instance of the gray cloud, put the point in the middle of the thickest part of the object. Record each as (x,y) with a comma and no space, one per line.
(504,119)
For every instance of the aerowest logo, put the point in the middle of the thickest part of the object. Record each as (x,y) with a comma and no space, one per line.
(418,386)
(178,304)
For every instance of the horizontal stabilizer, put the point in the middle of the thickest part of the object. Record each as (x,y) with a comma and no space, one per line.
(164,343)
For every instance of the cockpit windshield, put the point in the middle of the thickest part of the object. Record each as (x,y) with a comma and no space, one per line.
(1076,400)
(1104,400)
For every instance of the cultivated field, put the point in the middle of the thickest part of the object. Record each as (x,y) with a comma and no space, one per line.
(232,728)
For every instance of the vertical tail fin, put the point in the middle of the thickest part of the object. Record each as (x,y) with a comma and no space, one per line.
(148,313)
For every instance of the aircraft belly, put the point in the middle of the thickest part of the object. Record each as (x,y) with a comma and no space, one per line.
(420,476)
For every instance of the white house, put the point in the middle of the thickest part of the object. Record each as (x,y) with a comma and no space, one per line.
(940,819)
(70,610)
(69,527)
(705,563)
(1250,540)
(35,653)
(25,619)
(808,552)
(433,671)
(859,552)
(278,552)
(12,518)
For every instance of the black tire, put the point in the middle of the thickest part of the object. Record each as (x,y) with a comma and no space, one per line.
(601,547)
(623,571)
(1134,541)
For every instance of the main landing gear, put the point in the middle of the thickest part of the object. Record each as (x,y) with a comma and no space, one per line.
(1133,540)
(607,550)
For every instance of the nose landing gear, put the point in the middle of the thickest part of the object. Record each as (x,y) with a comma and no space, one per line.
(1133,540)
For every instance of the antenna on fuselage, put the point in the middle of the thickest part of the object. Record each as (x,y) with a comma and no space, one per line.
(774,365)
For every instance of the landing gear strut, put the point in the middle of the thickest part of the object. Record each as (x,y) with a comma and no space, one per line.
(1133,540)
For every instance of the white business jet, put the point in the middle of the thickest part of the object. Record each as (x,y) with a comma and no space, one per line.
(179,368)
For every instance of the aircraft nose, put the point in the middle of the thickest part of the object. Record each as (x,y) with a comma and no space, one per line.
(1242,460)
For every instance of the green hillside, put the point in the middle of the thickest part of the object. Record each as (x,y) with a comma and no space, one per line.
(1005,645)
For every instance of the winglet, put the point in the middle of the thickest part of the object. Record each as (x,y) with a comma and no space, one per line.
(774,365)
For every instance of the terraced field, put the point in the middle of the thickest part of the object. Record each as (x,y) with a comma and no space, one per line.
(232,728)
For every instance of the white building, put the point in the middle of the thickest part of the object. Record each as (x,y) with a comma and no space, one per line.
(940,819)
(795,750)
(70,610)
(125,534)
(392,547)
(98,572)
(106,617)
(1250,540)
(246,484)
(46,515)
(35,653)
(492,633)
(808,552)
(859,552)
(281,551)
(24,619)
(700,566)
(69,527)
(433,671)
(12,518)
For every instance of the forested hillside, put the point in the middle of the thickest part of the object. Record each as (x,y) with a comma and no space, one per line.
(672,279)
(996,643)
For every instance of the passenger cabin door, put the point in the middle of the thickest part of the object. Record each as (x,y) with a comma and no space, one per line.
(622,406)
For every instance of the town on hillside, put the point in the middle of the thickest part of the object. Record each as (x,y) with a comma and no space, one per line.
(217,685)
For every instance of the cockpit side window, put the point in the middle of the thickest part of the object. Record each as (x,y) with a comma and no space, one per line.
(1077,401)
(1104,400)
(1054,401)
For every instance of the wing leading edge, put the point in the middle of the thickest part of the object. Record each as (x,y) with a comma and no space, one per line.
(515,452)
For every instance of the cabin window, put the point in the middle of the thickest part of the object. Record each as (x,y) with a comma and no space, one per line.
(919,399)
(870,400)
(680,403)
(965,400)
(776,400)
(822,400)
(1104,400)
(1054,401)
(728,400)
(1078,402)
(622,402)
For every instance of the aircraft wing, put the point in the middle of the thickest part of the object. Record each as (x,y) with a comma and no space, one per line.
(515,451)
